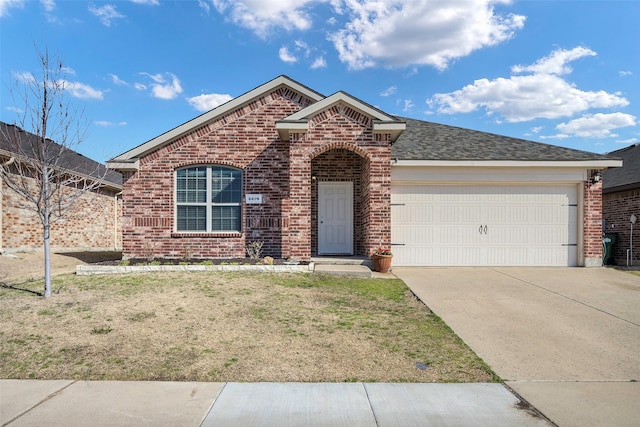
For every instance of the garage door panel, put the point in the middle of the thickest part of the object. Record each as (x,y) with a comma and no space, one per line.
(484,224)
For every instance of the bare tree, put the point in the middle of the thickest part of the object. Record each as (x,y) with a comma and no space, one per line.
(43,168)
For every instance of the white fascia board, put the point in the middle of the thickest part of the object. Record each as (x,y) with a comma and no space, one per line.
(124,166)
(395,128)
(285,127)
(341,97)
(231,105)
(591,164)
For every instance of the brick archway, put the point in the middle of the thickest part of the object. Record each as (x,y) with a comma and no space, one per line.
(342,165)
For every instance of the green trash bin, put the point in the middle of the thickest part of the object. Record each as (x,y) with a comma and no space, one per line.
(607,243)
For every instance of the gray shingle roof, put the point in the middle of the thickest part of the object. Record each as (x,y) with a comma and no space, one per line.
(431,141)
(70,160)
(626,177)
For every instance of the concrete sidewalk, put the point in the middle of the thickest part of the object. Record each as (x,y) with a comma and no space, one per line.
(111,403)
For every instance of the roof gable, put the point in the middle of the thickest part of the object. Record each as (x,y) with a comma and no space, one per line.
(299,122)
(128,160)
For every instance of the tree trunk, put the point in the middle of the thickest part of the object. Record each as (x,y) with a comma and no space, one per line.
(47,262)
(46,225)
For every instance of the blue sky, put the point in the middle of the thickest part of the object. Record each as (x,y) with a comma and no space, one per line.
(560,72)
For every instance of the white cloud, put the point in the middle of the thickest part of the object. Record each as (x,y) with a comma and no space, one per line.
(597,125)
(392,33)
(14,110)
(398,33)
(204,6)
(625,73)
(209,101)
(543,94)
(104,123)
(48,5)
(262,16)
(556,63)
(116,80)
(389,91)
(5,5)
(629,141)
(140,86)
(165,86)
(299,50)
(106,13)
(151,2)
(286,56)
(408,105)
(81,90)
(69,71)
(319,62)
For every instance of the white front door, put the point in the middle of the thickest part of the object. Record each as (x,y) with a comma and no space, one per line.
(335,218)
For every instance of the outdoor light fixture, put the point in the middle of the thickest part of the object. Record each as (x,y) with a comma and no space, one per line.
(596,178)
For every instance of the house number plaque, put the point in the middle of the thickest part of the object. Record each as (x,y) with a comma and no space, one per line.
(253,199)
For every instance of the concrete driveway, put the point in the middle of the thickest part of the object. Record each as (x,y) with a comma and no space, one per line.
(565,339)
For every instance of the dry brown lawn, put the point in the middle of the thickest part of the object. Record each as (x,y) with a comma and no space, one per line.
(229,327)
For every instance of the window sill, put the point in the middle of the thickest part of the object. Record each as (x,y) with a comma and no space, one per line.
(222,234)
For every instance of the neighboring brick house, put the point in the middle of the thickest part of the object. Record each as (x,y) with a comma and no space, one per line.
(310,175)
(621,199)
(93,222)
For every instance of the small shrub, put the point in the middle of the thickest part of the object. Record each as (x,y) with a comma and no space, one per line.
(254,250)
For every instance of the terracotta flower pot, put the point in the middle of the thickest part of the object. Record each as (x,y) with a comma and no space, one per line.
(382,263)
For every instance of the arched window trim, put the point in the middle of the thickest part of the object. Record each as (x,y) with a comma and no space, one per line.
(208,199)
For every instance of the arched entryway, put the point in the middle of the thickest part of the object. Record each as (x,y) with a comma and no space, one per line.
(339,203)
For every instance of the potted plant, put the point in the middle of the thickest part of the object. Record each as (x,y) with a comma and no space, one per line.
(382,260)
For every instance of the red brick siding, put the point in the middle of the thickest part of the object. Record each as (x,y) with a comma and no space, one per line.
(592,222)
(245,139)
(93,222)
(340,127)
(617,209)
(281,171)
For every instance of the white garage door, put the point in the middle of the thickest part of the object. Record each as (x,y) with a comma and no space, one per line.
(484,225)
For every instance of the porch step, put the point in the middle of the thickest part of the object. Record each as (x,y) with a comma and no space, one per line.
(344,269)
(347,260)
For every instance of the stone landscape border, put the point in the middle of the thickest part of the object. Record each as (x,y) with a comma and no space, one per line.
(89,270)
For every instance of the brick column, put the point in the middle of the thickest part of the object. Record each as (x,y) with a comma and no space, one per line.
(296,211)
(593,224)
(379,224)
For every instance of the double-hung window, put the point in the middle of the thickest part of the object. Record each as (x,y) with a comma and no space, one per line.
(209,199)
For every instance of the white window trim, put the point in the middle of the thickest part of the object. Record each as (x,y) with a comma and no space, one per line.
(209,204)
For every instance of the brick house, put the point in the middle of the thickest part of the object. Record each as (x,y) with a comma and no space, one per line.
(621,199)
(309,175)
(93,223)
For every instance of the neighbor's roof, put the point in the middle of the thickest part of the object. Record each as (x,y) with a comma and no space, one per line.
(70,159)
(626,177)
(431,141)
